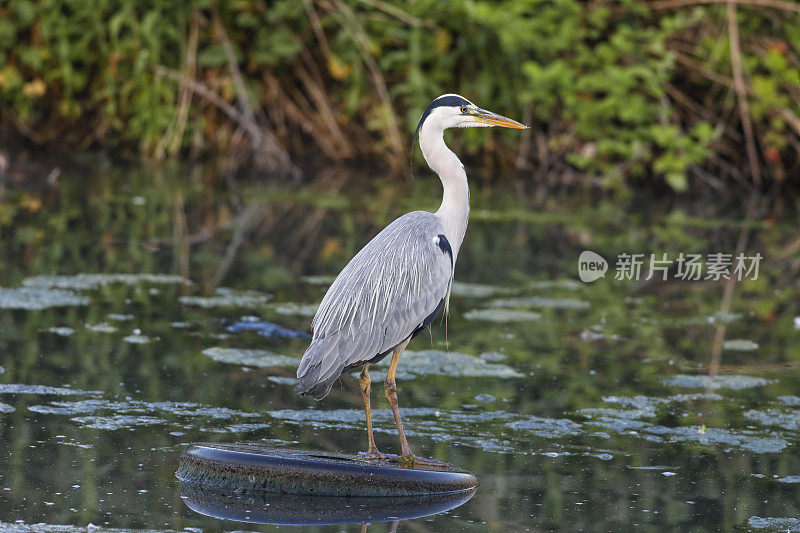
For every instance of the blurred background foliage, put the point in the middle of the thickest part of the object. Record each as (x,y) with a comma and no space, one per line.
(621,94)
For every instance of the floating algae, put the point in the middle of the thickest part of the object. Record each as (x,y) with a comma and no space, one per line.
(61,331)
(477,290)
(82,282)
(740,345)
(318,280)
(265,329)
(21,527)
(115,422)
(484,398)
(257,358)
(294,309)
(19,388)
(115,415)
(566,284)
(79,407)
(541,302)
(473,429)
(138,339)
(774,524)
(102,327)
(546,427)
(38,298)
(501,315)
(283,380)
(456,364)
(225,297)
(735,382)
(630,419)
(785,419)
(790,400)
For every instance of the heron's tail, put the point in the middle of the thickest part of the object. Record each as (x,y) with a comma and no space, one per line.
(319,368)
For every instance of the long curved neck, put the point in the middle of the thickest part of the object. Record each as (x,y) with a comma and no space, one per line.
(454,211)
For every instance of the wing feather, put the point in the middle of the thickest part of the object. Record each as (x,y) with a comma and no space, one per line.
(386,291)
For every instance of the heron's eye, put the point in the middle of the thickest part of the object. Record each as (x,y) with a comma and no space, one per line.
(463,110)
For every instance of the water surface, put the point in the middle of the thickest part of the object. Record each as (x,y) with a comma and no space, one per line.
(578,406)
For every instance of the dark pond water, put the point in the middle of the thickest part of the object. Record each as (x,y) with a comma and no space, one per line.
(577,405)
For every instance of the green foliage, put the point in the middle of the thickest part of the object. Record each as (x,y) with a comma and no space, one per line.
(605,84)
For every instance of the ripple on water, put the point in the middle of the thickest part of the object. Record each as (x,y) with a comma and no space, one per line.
(38,298)
(735,382)
(243,357)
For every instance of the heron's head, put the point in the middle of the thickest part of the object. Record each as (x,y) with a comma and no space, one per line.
(454,111)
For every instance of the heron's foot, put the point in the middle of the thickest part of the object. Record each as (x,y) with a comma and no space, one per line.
(374,455)
(413,460)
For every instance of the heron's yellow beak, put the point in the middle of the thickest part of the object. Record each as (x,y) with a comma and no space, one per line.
(493,119)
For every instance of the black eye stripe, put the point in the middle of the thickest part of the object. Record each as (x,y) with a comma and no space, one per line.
(451,100)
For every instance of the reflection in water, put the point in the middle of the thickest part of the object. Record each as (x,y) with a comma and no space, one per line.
(279,508)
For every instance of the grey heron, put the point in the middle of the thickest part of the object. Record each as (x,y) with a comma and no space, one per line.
(399,282)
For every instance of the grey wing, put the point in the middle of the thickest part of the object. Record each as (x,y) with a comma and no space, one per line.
(382,296)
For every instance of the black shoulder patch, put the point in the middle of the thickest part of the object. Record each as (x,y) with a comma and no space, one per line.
(444,245)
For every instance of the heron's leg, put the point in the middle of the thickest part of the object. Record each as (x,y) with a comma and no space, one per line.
(391,395)
(365,382)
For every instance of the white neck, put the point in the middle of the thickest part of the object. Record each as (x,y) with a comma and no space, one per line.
(454,211)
